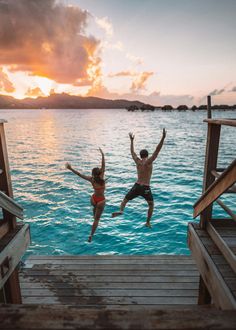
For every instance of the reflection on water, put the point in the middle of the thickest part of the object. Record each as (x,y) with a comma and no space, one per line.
(56,202)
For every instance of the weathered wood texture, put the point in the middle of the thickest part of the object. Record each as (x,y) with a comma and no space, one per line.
(12,247)
(216,189)
(223,233)
(8,204)
(68,317)
(226,122)
(211,155)
(110,280)
(217,275)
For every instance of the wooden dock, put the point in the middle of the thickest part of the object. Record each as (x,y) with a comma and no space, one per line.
(110,281)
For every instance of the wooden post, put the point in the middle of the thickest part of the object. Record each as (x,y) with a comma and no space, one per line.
(212,147)
(11,288)
(5,178)
(209,107)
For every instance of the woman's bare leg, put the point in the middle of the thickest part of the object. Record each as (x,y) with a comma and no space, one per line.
(97,215)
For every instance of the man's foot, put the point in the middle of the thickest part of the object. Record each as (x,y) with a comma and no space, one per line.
(90,239)
(116,214)
(147,224)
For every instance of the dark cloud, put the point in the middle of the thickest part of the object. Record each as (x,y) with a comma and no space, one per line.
(217,92)
(47,39)
(233,89)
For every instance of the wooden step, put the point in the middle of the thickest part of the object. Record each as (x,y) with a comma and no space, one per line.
(217,275)
(224,239)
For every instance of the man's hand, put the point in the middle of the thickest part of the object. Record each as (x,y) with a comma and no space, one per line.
(68,166)
(164,133)
(131,136)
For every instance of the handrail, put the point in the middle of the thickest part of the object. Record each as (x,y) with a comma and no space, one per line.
(227,209)
(227,122)
(217,188)
(217,175)
(8,204)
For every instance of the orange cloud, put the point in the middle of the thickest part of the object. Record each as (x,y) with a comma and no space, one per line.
(123,74)
(139,83)
(46,38)
(34,92)
(5,84)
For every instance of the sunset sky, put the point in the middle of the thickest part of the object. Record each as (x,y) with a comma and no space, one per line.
(156,51)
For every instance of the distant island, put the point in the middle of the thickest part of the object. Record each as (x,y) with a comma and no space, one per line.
(66,101)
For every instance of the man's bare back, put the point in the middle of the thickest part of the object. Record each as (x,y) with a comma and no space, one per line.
(144,171)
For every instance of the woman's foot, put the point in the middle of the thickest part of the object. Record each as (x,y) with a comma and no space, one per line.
(116,214)
(90,239)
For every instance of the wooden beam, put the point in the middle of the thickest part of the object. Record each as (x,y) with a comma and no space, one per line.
(8,204)
(4,228)
(227,209)
(219,291)
(224,182)
(209,107)
(211,155)
(227,122)
(74,318)
(12,247)
(217,175)
(5,177)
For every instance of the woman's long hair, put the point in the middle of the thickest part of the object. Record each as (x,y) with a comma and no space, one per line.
(96,172)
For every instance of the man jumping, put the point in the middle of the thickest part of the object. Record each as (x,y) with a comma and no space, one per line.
(144,172)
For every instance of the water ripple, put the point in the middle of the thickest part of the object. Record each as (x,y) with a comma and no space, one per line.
(56,202)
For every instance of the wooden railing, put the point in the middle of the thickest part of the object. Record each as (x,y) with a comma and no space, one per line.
(222,184)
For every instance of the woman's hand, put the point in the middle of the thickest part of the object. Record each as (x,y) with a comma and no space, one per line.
(68,166)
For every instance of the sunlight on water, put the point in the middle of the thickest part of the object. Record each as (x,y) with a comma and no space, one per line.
(56,202)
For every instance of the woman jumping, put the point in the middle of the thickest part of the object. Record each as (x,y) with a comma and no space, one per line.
(97,199)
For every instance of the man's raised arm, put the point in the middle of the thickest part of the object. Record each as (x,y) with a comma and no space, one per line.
(158,148)
(135,157)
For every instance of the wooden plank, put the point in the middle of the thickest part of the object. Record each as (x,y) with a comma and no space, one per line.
(14,249)
(111,273)
(74,318)
(225,181)
(109,257)
(219,121)
(226,209)
(85,292)
(28,284)
(5,177)
(11,206)
(96,300)
(4,228)
(107,278)
(222,245)
(91,268)
(219,291)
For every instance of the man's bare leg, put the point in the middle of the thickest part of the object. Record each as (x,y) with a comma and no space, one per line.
(149,213)
(122,206)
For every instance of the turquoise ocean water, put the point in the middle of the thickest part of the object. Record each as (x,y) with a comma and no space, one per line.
(56,202)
